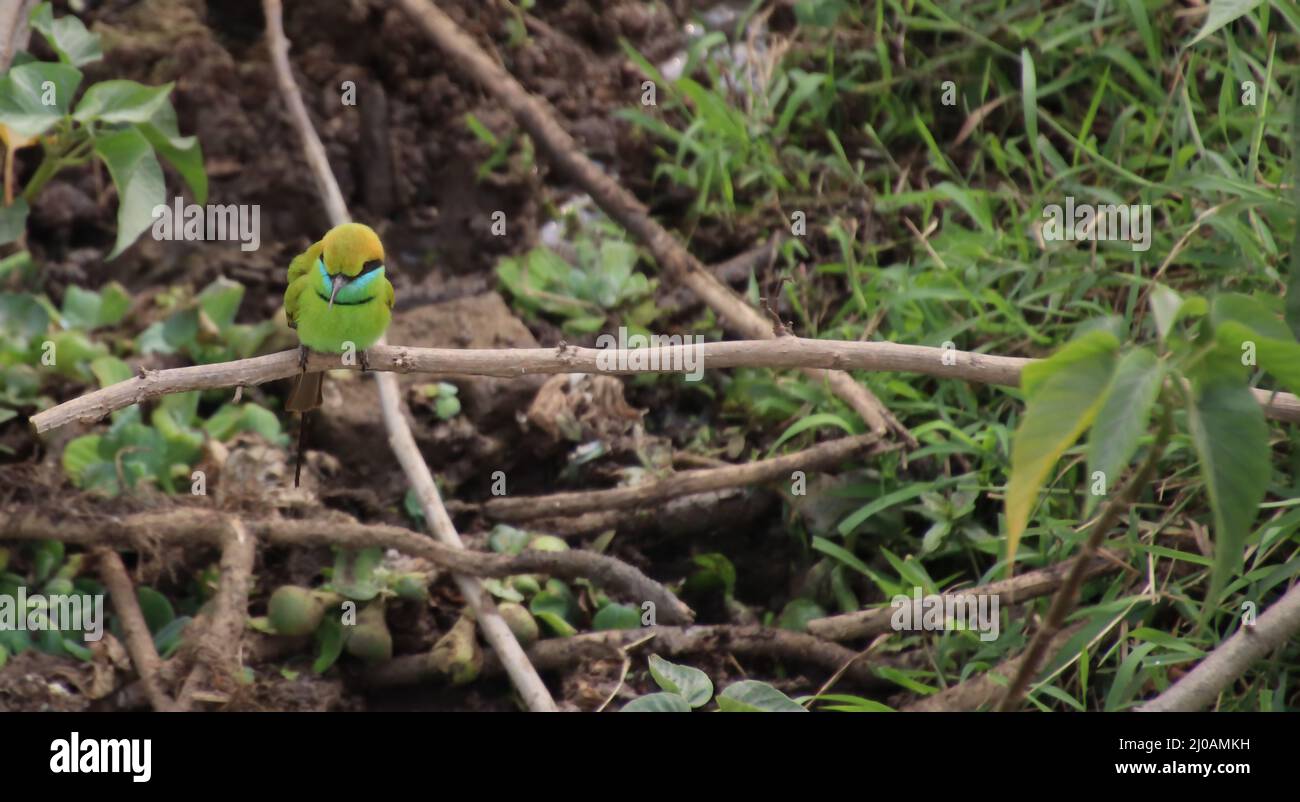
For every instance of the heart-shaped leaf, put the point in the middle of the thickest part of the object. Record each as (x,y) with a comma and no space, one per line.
(692,684)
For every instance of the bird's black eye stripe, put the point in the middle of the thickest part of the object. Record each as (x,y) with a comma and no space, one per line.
(373,264)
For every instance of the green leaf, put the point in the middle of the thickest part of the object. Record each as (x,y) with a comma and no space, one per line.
(80,308)
(657,703)
(616,616)
(841,554)
(110,370)
(24,89)
(67,36)
(47,555)
(556,607)
(861,514)
(121,101)
(1231,438)
(692,684)
(1064,393)
(79,455)
(1221,13)
(797,614)
(1123,418)
(168,639)
(329,642)
(220,301)
(1029,100)
(354,573)
(1165,303)
(157,610)
(182,152)
(115,302)
(506,539)
(1251,313)
(139,181)
(752,696)
(811,422)
(13,220)
(1293,277)
(557,623)
(819,13)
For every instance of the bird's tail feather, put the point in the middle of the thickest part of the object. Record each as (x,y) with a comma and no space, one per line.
(303,418)
(306,393)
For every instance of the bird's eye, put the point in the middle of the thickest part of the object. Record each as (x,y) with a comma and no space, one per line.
(373,264)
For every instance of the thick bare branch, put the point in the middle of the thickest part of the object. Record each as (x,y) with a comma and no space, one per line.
(786,352)
(217,650)
(558,654)
(188,525)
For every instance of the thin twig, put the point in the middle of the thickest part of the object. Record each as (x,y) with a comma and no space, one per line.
(313,150)
(1030,585)
(139,644)
(685,483)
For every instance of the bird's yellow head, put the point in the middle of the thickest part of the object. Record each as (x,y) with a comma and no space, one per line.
(351,249)
(352,258)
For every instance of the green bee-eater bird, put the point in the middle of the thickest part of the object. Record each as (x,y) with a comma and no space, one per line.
(338,299)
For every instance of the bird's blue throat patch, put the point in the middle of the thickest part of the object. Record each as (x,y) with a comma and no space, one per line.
(360,289)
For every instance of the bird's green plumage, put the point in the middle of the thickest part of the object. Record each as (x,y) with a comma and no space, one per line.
(338,296)
(362,306)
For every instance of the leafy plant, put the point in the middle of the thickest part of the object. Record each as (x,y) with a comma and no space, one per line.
(124,124)
(601,281)
(686,689)
(1202,366)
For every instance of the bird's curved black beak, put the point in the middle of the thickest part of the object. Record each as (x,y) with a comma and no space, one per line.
(338,282)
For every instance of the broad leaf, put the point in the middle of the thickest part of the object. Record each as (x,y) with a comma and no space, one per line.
(616,616)
(1231,438)
(121,101)
(1123,418)
(182,152)
(67,36)
(751,696)
(693,684)
(657,703)
(139,181)
(24,90)
(1064,394)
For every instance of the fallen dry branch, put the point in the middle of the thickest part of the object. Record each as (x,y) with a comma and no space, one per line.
(530,686)
(681,484)
(188,525)
(139,644)
(786,352)
(561,654)
(560,149)
(1201,686)
(217,651)
(865,623)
